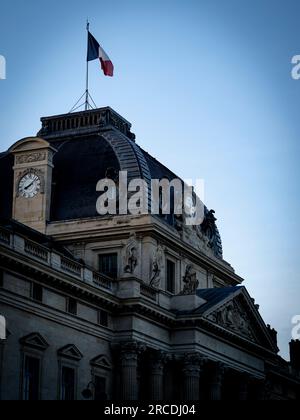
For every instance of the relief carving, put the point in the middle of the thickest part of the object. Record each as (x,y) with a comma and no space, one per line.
(30,158)
(233,318)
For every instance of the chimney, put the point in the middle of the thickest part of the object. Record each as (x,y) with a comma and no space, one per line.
(295,354)
(273,333)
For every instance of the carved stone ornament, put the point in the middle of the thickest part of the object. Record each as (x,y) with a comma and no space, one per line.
(232,317)
(39,173)
(205,237)
(131,255)
(157,267)
(190,281)
(130,351)
(31,157)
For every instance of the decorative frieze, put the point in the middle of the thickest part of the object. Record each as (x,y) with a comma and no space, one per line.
(31,158)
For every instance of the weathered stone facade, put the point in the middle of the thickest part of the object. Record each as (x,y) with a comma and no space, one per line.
(170,321)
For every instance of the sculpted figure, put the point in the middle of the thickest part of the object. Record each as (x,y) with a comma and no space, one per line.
(157,267)
(190,281)
(131,260)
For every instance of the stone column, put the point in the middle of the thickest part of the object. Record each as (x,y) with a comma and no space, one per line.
(129,366)
(216,382)
(157,364)
(2,344)
(191,370)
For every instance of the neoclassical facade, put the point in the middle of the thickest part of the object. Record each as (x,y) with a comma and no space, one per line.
(130,307)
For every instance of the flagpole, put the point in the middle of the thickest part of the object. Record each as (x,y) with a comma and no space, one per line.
(87,71)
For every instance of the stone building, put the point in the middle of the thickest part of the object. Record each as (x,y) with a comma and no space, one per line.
(130,307)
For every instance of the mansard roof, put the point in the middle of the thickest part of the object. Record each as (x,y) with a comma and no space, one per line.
(89,144)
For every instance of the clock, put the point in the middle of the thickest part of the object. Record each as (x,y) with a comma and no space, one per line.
(29,185)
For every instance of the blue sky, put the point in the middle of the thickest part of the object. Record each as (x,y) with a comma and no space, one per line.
(207,86)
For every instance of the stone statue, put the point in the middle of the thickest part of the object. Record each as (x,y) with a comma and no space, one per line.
(190,280)
(131,259)
(157,267)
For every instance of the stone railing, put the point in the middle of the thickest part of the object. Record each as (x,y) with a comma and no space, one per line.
(86,121)
(4,236)
(53,259)
(71,267)
(102,281)
(36,250)
(124,288)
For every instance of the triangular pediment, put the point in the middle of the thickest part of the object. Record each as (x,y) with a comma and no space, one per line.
(70,352)
(238,315)
(34,340)
(102,362)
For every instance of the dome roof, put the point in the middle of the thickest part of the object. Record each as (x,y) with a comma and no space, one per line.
(89,144)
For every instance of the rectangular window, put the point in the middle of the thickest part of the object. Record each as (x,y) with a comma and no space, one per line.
(103,318)
(170,276)
(108,265)
(31,378)
(67,384)
(72,306)
(100,389)
(37,292)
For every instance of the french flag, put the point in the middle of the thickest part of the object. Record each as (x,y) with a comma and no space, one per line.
(95,51)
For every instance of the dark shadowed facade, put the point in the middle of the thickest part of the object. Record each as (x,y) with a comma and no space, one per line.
(138,307)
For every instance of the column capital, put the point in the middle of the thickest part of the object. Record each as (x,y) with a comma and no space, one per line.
(158,359)
(192,363)
(131,349)
(219,369)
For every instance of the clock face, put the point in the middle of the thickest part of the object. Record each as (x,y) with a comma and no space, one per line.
(29,185)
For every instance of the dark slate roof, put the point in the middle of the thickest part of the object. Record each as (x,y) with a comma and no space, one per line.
(78,166)
(6,184)
(157,169)
(215,296)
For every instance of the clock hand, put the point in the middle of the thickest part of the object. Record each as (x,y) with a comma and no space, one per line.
(28,186)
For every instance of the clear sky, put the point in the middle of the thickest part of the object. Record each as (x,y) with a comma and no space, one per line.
(207,85)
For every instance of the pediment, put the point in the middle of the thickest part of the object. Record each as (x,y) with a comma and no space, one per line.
(238,314)
(102,362)
(34,340)
(70,352)
(29,143)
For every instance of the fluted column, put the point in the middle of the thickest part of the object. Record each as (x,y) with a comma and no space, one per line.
(216,381)
(191,370)
(157,365)
(129,365)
